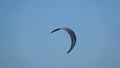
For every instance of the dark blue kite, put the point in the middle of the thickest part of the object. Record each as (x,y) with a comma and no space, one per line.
(72,35)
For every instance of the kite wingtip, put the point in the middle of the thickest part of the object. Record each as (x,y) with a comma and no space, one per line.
(68,52)
(50,33)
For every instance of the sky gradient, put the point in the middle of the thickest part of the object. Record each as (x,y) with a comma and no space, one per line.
(25,41)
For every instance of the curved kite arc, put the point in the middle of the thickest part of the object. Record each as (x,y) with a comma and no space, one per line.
(72,35)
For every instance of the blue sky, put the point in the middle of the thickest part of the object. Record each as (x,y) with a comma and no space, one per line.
(25,41)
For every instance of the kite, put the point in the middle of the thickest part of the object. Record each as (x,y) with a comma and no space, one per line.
(72,35)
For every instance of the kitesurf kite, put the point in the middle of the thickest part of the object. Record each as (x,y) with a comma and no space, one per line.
(72,35)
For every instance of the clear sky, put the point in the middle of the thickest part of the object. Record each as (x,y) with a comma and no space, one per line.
(25,41)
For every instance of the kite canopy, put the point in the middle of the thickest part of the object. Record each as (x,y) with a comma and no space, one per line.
(72,35)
